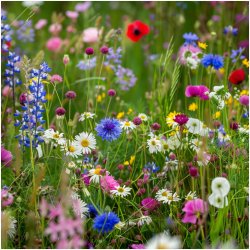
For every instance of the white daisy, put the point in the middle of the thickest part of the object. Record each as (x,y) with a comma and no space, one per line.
(79,206)
(144,220)
(220,186)
(217,200)
(195,144)
(72,149)
(162,194)
(86,115)
(127,125)
(164,241)
(71,164)
(95,174)
(154,145)
(57,137)
(173,142)
(143,117)
(85,142)
(171,197)
(120,225)
(121,191)
(195,126)
(218,88)
(191,196)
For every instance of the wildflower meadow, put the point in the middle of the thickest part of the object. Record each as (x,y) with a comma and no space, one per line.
(124,125)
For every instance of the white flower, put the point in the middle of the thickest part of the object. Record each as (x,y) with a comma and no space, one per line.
(221,104)
(195,126)
(85,142)
(121,191)
(86,115)
(195,144)
(32,3)
(173,142)
(154,145)
(57,137)
(162,195)
(72,149)
(192,63)
(95,174)
(71,164)
(143,117)
(243,130)
(144,220)
(79,206)
(227,95)
(217,200)
(120,225)
(8,224)
(191,196)
(217,88)
(220,186)
(164,241)
(127,125)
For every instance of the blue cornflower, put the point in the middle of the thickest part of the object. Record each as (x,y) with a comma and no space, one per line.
(105,222)
(245,115)
(230,30)
(190,38)
(125,77)
(5,33)
(222,130)
(109,129)
(215,61)
(87,64)
(25,33)
(113,58)
(237,53)
(92,211)
(151,167)
(31,119)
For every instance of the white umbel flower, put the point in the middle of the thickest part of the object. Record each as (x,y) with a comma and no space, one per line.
(127,125)
(220,186)
(121,191)
(217,200)
(164,241)
(144,220)
(154,145)
(85,142)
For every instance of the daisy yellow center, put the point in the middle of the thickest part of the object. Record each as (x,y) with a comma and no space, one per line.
(85,143)
(161,246)
(98,171)
(120,190)
(127,124)
(164,193)
(142,117)
(153,143)
(165,146)
(170,197)
(56,136)
(71,149)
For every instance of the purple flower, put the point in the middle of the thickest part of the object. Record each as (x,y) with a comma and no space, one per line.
(181,119)
(70,94)
(244,100)
(190,38)
(25,32)
(193,210)
(214,61)
(149,203)
(230,30)
(82,7)
(89,51)
(125,77)
(200,91)
(6,157)
(87,64)
(237,54)
(137,246)
(105,222)
(6,197)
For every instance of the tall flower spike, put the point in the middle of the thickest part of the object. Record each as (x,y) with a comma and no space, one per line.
(31,119)
(5,33)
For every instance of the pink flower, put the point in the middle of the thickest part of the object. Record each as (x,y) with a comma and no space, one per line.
(72,14)
(86,179)
(193,210)
(149,203)
(55,28)
(137,246)
(244,100)
(200,91)
(90,35)
(40,24)
(187,49)
(56,79)
(82,7)
(54,44)
(6,157)
(7,91)
(6,197)
(108,183)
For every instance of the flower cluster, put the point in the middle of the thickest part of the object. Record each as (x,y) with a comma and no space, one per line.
(5,33)
(25,32)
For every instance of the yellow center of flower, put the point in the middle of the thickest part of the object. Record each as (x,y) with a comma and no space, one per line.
(71,149)
(161,246)
(127,124)
(153,143)
(170,197)
(56,136)
(85,143)
(120,190)
(98,171)
(164,193)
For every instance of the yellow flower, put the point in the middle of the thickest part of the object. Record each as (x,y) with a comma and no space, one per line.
(229,101)
(245,62)
(192,107)
(202,45)
(132,159)
(49,97)
(120,115)
(126,163)
(103,95)
(222,70)
(170,118)
(99,98)
(216,115)
(129,111)
(244,92)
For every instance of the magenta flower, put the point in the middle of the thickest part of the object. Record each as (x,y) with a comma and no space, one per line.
(6,157)
(108,183)
(137,246)
(54,44)
(56,79)
(149,203)
(200,91)
(193,210)
(244,100)
(181,119)
(6,197)
(86,179)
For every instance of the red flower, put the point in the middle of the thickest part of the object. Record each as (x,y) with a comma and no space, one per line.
(237,76)
(137,30)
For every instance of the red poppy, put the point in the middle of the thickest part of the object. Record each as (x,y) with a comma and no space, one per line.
(137,30)
(237,76)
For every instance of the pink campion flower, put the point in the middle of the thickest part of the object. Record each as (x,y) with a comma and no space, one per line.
(54,44)
(72,15)
(244,100)
(150,203)
(194,209)
(6,197)
(108,183)
(7,91)
(90,35)
(40,24)
(6,157)
(200,91)
(56,79)
(82,7)
(55,28)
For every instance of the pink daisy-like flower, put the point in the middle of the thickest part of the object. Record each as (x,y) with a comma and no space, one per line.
(90,35)
(150,203)
(185,50)
(193,210)
(108,183)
